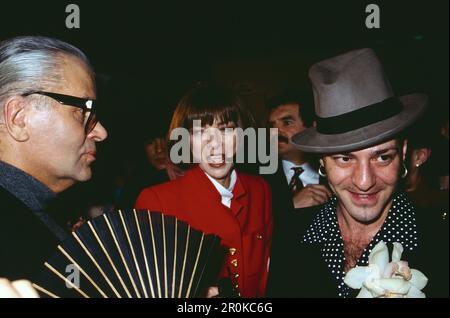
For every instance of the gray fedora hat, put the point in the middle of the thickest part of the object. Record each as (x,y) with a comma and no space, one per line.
(355,105)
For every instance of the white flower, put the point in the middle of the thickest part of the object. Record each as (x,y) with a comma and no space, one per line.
(384,279)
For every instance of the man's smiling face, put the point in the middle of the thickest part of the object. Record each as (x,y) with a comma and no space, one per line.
(364,180)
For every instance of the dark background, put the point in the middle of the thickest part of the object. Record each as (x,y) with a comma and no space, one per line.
(148,53)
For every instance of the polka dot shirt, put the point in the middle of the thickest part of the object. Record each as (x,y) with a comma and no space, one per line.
(399,226)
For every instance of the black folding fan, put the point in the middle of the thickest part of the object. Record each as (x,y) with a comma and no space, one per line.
(133,253)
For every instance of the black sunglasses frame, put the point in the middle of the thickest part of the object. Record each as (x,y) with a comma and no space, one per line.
(87,105)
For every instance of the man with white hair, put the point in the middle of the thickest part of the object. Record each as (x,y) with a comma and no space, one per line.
(48,135)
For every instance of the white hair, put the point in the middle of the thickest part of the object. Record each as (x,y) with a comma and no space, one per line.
(32,62)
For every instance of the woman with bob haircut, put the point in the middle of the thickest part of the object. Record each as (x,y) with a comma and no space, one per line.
(213,196)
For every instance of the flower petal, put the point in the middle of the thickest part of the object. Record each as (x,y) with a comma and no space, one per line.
(418,279)
(374,288)
(403,270)
(390,270)
(364,293)
(356,276)
(371,283)
(397,252)
(415,293)
(394,285)
(379,255)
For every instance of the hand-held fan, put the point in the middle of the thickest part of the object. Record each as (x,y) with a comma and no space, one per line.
(133,253)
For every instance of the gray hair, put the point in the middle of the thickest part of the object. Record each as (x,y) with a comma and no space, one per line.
(32,63)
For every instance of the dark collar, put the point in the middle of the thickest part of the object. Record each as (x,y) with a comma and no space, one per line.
(33,193)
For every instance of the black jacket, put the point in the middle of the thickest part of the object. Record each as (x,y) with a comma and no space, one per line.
(282,206)
(283,210)
(25,242)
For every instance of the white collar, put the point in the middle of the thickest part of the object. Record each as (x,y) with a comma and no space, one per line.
(226,194)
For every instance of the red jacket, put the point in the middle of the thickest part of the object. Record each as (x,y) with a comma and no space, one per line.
(245,228)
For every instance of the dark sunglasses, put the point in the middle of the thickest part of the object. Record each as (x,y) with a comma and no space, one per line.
(87,105)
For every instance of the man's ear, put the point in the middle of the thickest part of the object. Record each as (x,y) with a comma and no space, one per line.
(321,162)
(421,155)
(404,149)
(15,118)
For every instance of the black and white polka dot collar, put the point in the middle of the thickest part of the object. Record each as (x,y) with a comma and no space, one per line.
(399,226)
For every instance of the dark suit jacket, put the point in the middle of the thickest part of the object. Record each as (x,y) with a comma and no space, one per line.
(25,242)
(298,270)
(282,206)
(283,210)
(287,221)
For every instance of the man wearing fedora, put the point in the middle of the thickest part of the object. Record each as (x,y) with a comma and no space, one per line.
(359,136)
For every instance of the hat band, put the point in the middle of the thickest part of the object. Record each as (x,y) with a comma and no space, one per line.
(359,118)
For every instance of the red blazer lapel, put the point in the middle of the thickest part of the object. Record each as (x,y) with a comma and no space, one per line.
(239,197)
(211,211)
